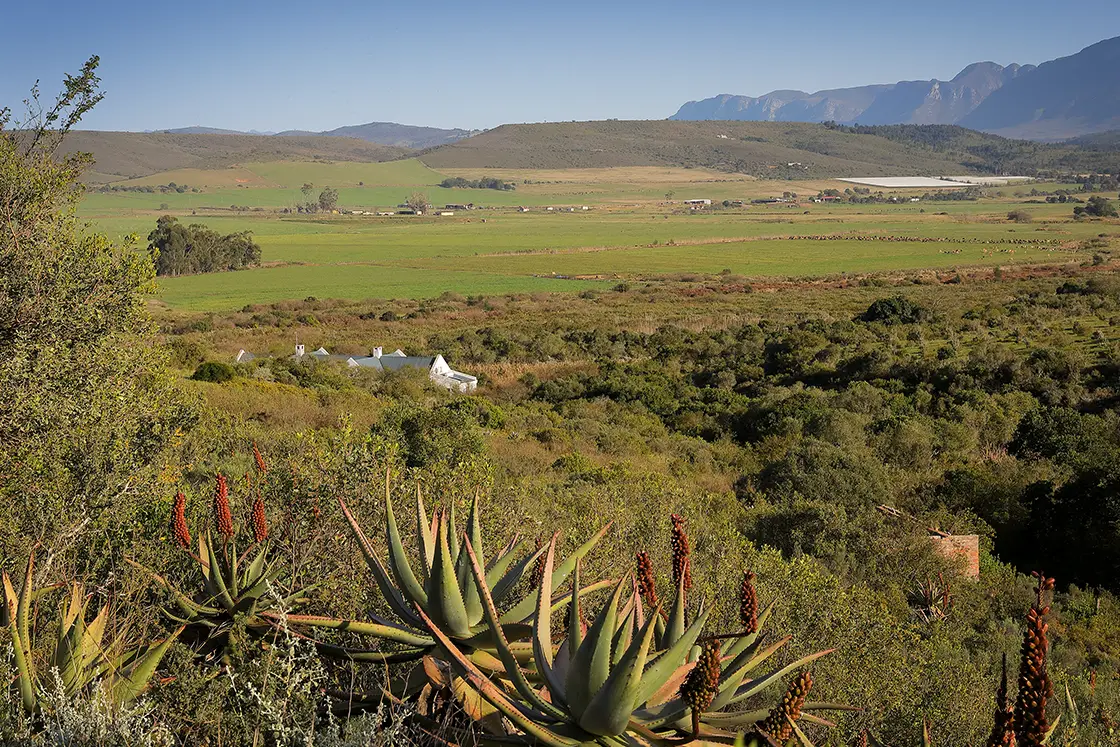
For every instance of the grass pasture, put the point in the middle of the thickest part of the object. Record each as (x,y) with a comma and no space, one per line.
(631,231)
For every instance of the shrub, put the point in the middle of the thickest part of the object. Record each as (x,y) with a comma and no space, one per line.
(894,310)
(213,371)
(1019,216)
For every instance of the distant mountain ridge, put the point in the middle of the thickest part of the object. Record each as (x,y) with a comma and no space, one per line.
(1063,98)
(382,133)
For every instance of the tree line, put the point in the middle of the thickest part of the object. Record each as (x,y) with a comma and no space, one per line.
(178,249)
(458,182)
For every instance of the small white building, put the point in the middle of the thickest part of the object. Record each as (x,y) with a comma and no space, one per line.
(438,369)
(697,202)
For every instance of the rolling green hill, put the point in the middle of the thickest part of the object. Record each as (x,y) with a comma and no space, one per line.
(127,155)
(765,149)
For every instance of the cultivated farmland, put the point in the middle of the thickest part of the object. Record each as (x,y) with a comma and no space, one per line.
(637,228)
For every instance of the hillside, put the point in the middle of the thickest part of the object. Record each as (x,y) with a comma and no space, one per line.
(765,149)
(1059,99)
(126,155)
(391,133)
(1070,96)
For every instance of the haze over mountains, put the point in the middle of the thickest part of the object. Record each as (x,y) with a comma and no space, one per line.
(382,133)
(1063,98)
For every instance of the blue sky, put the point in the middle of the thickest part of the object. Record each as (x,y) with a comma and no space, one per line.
(288,65)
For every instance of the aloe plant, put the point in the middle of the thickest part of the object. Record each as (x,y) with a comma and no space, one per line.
(608,684)
(82,657)
(443,591)
(235,590)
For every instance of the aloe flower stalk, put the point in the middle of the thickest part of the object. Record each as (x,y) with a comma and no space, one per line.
(748,603)
(223,519)
(1035,688)
(779,723)
(179,527)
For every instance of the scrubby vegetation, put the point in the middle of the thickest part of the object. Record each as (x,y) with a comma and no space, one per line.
(648,480)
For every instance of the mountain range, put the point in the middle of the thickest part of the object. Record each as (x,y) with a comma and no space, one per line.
(1060,99)
(382,133)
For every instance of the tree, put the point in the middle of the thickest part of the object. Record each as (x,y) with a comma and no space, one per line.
(87,408)
(307,188)
(1096,207)
(187,250)
(328,199)
(669,196)
(417,201)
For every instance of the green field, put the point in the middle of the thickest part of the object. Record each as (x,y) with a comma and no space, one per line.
(630,232)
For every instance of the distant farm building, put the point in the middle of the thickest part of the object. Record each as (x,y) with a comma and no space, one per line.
(439,372)
(697,202)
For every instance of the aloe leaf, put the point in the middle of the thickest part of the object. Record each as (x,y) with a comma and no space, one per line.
(542,631)
(612,706)
(135,679)
(569,564)
(23,611)
(505,550)
(257,568)
(739,718)
(398,656)
(496,570)
(223,594)
(453,530)
(185,603)
(380,575)
(804,740)
(398,558)
(575,623)
(473,538)
(758,685)
(753,657)
(445,599)
(675,625)
(424,534)
(523,610)
(513,669)
(234,577)
(393,633)
(623,636)
(493,695)
(89,647)
(25,676)
(672,658)
(592,664)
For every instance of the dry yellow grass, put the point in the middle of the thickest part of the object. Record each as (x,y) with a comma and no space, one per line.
(619,175)
(228,177)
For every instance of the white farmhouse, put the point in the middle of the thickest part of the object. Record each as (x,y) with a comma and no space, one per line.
(438,370)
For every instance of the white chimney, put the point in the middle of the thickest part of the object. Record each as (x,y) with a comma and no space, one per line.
(377,352)
(299,351)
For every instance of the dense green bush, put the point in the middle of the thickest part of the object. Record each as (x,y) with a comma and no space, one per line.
(213,371)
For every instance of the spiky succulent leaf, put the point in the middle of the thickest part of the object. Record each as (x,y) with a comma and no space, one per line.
(512,666)
(524,609)
(25,674)
(424,534)
(754,687)
(670,660)
(389,591)
(134,681)
(398,558)
(524,721)
(592,663)
(383,630)
(445,598)
(611,708)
